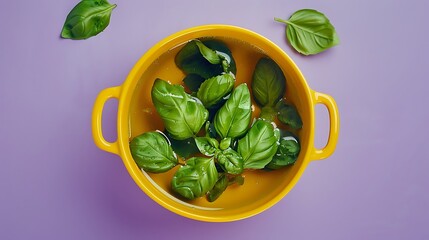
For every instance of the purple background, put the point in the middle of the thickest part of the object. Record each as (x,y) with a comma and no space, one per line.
(56,184)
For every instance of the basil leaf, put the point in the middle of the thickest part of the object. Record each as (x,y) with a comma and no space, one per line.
(182,114)
(287,152)
(268,113)
(190,60)
(193,81)
(196,178)
(268,83)
(208,53)
(225,143)
(288,115)
(214,89)
(152,152)
(233,118)
(259,145)
(218,189)
(207,146)
(237,179)
(88,18)
(230,161)
(184,148)
(222,50)
(310,31)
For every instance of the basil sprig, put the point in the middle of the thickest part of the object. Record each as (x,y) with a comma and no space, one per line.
(87,19)
(228,159)
(310,32)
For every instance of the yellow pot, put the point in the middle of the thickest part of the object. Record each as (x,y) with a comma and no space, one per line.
(136,115)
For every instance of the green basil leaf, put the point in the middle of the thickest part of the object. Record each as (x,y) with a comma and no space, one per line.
(190,60)
(214,89)
(230,161)
(268,83)
(152,152)
(208,53)
(233,118)
(268,113)
(237,179)
(184,148)
(196,178)
(225,143)
(193,81)
(222,50)
(207,146)
(88,18)
(259,145)
(218,189)
(182,114)
(288,115)
(287,152)
(310,31)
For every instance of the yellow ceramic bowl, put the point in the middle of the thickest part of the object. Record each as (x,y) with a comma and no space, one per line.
(136,115)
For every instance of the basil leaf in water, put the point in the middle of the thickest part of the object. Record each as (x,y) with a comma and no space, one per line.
(191,61)
(222,183)
(223,51)
(225,143)
(268,83)
(230,161)
(310,31)
(268,113)
(218,189)
(287,152)
(237,179)
(196,178)
(182,114)
(288,115)
(259,145)
(88,18)
(152,152)
(207,58)
(208,53)
(214,89)
(233,118)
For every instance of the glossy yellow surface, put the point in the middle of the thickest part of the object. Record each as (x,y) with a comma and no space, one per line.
(136,115)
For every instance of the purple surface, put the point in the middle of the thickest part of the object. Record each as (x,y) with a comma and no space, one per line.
(55,183)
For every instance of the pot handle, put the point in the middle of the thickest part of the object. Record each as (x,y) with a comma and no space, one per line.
(97,112)
(334,125)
